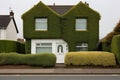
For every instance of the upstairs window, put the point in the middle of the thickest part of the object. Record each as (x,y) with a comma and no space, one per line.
(81,24)
(41,24)
(82,46)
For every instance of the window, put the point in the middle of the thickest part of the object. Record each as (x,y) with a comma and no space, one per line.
(41,24)
(2,33)
(43,47)
(81,24)
(82,47)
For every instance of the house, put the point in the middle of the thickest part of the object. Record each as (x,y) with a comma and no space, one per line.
(60,28)
(8,27)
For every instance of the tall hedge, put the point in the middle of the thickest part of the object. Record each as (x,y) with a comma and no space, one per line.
(115,48)
(11,46)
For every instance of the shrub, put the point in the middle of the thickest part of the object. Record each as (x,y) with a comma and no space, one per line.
(106,46)
(90,58)
(115,47)
(8,46)
(107,40)
(45,59)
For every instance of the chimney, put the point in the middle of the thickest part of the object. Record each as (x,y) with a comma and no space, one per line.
(53,4)
(11,13)
(87,3)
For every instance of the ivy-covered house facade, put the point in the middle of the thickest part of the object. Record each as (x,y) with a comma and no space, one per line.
(60,28)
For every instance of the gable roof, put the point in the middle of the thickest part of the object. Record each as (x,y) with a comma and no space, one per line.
(60,9)
(5,20)
(82,6)
(38,6)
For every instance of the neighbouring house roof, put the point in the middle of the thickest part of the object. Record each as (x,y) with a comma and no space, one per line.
(60,9)
(5,20)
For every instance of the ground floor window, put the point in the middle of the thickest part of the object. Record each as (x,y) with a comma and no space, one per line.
(43,47)
(82,46)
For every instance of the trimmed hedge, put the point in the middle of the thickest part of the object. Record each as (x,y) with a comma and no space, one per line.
(115,47)
(45,59)
(8,46)
(90,58)
(106,46)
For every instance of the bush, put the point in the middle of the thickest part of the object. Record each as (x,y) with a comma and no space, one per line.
(45,59)
(115,47)
(7,46)
(90,58)
(106,46)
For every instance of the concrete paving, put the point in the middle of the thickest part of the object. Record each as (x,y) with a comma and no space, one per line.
(61,69)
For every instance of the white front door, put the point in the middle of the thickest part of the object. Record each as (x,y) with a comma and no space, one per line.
(61,50)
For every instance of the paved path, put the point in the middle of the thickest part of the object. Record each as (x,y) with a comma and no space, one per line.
(60,71)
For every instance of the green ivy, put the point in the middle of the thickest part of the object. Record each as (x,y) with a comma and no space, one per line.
(62,26)
(115,47)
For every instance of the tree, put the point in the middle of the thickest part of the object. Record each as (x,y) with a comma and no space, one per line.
(107,40)
(110,35)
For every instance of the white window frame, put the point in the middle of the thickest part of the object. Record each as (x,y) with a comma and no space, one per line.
(43,21)
(80,22)
(83,45)
(43,46)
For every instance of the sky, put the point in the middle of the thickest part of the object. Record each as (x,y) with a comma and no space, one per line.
(108,9)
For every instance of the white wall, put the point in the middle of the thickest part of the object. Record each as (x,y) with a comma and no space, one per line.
(11,33)
(55,43)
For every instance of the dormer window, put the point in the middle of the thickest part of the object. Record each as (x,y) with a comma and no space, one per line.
(81,24)
(41,24)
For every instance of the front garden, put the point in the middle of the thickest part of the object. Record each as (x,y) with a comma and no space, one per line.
(86,58)
(76,59)
(108,54)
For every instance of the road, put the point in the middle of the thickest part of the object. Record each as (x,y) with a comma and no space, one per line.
(59,77)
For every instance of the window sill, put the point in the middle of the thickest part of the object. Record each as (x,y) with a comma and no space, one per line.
(42,30)
(81,30)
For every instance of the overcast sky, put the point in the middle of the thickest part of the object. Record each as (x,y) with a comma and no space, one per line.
(109,10)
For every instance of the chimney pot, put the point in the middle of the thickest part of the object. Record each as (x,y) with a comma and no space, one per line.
(11,13)
(53,4)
